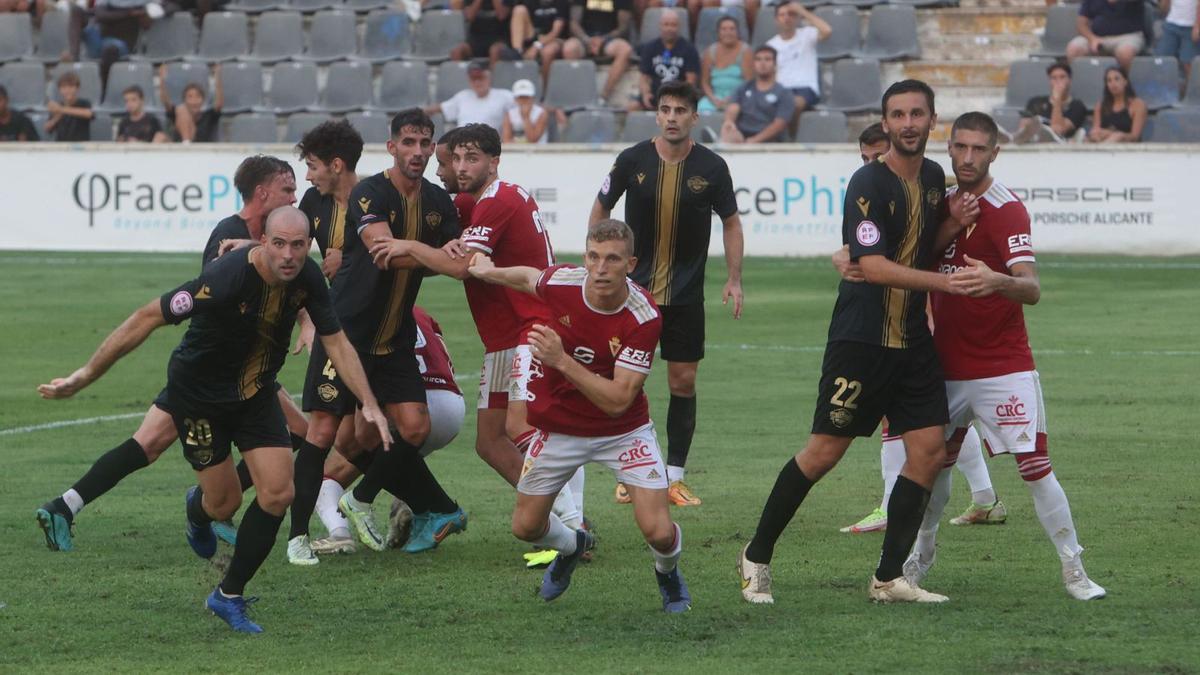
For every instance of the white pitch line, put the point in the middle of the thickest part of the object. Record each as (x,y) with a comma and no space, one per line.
(69,260)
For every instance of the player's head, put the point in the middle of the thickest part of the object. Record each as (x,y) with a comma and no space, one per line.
(872,143)
(285,242)
(411,142)
(786,18)
(1059,73)
(908,116)
(193,97)
(609,257)
(265,183)
(330,150)
(68,86)
(479,78)
(445,162)
(765,63)
(135,99)
(974,144)
(676,112)
(476,152)
(668,27)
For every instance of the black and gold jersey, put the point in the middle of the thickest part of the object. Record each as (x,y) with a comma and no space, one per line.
(887,215)
(233,227)
(670,207)
(326,219)
(375,305)
(241,326)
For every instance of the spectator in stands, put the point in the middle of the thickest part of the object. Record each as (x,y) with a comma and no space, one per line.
(479,102)
(487,29)
(1109,28)
(525,122)
(1180,32)
(873,143)
(193,122)
(1061,113)
(138,126)
(1121,115)
(797,49)
(601,29)
(761,108)
(725,66)
(14,6)
(666,58)
(115,29)
(14,126)
(70,116)
(539,28)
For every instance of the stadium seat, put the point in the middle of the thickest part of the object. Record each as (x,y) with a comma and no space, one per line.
(437,33)
(857,86)
(386,36)
(639,126)
(651,17)
(590,126)
(891,34)
(253,128)
(26,85)
(52,38)
(242,84)
(278,36)
(168,39)
(256,6)
(846,38)
(89,79)
(16,36)
(1156,80)
(857,4)
(181,74)
(507,72)
(706,28)
(572,85)
(373,126)
(439,125)
(39,122)
(1087,79)
(404,84)
(822,126)
(708,129)
(1175,126)
(223,36)
(370,5)
(919,3)
(293,88)
(124,74)
(101,128)
(1026,79)
(347,88)
(1060,29)
(764,25)
(300,124)
(1192,98)
(332,36)
(451,79)
(310,6)
(1008,119)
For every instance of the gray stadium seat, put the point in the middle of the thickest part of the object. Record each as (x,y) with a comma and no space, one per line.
(764,25)
(331,37)
(437,33)
(16,36)
(846,38)
(1192,98)
(507,72)
(386,36)
(1008,119)
(571,85)
(706,27)
(373,126)
(439,125)
(822,126)
(1087,80)
(223,36)
(183,73)
(1156,80)
(169,39)
(404,84)
(300,124)
(370,5)
(857,86)
(256,6)
(639,126)
(39,123)
(451,79)
(293,88)
(590,126)
(278,36)
(347,88)
(708,129)
(26,85)
(52,38)
(253,128)
(310,6)
(1026,79)
(124,74)
(891,33)
(101,128)
(1175,126)
(89,79)
(918,3)
(1060,29)
(650,18)
(858,4)
(242,84)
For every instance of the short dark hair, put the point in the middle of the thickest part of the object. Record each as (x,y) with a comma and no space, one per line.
(977,121)
(134,89)
(781,5)
(68,77)
(258,170)
(768,49)
(482,136)
(192,85)
(723,19)
(1059,65)
(447,137)
(873,134)
(909,87)
(681,90)
(332,139)
(411,117)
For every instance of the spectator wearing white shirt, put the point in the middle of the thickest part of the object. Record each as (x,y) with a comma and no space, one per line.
(526,121)
(796,46)
(1181,32)
(478,103)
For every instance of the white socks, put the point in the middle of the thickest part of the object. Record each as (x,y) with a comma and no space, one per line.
(558,537)
(674,473)
(974,467)
(665,562)
(327,510)
(891,460)
(938,498)
(564,508)
(1054,512)
(576,485)
(73,501)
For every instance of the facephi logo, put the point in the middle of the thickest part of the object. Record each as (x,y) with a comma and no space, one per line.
(96,192)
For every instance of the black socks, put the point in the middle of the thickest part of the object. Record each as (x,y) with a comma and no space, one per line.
(110,469)
(791,487)
(310,467)
(681,426)
(255,538)
(906,510)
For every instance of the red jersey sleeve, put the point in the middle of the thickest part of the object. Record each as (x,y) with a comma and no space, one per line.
(489,219)
(637,354)
(1013,240)
(544,280)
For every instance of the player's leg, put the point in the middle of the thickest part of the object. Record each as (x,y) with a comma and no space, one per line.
(216,497)
(985,507)
(341,469)
(682,346)
(620,52)
(492,442)
(924,551)
(891,461)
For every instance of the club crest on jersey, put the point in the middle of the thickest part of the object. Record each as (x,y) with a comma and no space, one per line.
(565,320)
(606,184)
(841,417)
(867,233)
(364,204)
(614,345)
(433,218)
(863,205)
(327,392)
(181,303)
(697,184)
(933,196)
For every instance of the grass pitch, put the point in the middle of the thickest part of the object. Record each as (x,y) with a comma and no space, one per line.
(1115,341)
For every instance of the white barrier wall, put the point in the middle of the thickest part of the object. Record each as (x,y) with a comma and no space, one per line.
(1127,200)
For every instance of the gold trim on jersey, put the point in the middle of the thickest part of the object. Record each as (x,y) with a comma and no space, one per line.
(337,227)
(670,177)
(389,323)
(896,301)
(269,309)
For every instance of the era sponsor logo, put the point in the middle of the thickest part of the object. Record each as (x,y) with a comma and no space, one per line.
(867,233)
(635,357)
(639,452)
(584,355)
(1019,242)
(181,303)
(1013,407)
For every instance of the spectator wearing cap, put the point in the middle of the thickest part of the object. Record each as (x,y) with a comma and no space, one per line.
(796,46)
(487,29)
(70,116)
(667,58)
(479,102)
(1109,28)
(539,29)
(761,108)
(526,121)
(14,126)
(601,29)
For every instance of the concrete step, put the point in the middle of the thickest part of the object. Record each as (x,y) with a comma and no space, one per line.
(992,48)
(950,73)
(1004,4)
(980,21)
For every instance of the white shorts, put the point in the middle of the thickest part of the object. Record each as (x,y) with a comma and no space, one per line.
(505,377)
(553,458)
(446,411)
(1008,408)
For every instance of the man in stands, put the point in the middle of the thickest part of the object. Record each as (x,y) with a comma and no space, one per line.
(1109,28)
(601,29)
(14,125)
(138,126)
(479,103)
(1059,111)
(796,49)
(667,58)
(70,116)
(487,30)
(760,110)
(193,122)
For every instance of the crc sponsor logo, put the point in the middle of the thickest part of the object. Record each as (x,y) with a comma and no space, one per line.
(1013,407)
(635,357)
(99,192)
(1084,194)
(640,452)
(584,355)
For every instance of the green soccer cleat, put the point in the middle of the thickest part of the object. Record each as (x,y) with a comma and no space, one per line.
(875,521)
(362,522)
(539,559)
(982,514)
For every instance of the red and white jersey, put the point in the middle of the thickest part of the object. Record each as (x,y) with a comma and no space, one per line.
(985,337)
(601,342)
(505,224)
(433,358)
(465,203)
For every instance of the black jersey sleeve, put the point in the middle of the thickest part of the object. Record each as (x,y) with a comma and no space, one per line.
(618,177)
(863,215)
(317,300)
(308,204)
(214,287)
(367,206)
(724,199)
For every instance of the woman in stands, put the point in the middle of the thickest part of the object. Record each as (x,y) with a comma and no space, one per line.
(1121,115)
(724,66)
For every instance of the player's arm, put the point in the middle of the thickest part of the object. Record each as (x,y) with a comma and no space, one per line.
(725,205)
(881,271)
(521,278)
(131,333)
(612,188)
(978,280)
(613,397)
(349,368)
(394,254)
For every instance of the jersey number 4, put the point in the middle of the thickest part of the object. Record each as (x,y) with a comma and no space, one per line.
(854,387)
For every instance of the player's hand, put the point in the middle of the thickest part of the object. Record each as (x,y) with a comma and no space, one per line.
(331,263)
(976,279)
(373,415)
(733,291)
(850,271)
(547,346)
(63,387)
(455,248)
(964,208)
(53,107)
(308,333)
(386,248)
(480,265)
(228,245)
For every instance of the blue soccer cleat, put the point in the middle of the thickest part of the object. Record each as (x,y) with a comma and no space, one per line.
(56,526)
(232,611)
(226,531)
(558,576)
(436,527)
(200,537)
(674,590)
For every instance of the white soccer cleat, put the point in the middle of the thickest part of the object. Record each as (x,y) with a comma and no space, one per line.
(756,580)
(916,568)
(1078,585)
(300,552)
(982,514)
(900,590)
(334,545)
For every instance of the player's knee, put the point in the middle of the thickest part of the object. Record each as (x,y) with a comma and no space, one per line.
(1034,466)
(275,499)
(415,432)
(526,528)
(682,383)
(222,507)
(659,534)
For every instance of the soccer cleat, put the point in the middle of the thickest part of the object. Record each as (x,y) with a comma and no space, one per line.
(916,568)
(982,514)
(622,496)
(900,590)
(56,525)
(362,522)
(756,580)
(225,531)
(400,524)
(587,555)
(674,590)
(299,552)
(333,545)
(681,495)
(437,527)
(1078,585)
(875,521)
(558,576)
(540,559)
(201,537)
(232,611)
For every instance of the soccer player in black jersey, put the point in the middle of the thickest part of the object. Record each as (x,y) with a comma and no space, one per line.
(672,186)
(220,387)
(880,358)
(265,183)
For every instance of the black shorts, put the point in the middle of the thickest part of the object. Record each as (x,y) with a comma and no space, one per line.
(682,333)
(395,377)
(861,383)
(207,430)
(323,389)
(162,404)
(810,97)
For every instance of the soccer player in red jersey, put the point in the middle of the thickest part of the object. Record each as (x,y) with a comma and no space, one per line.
(589,363)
